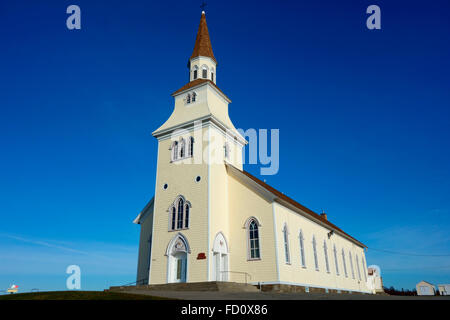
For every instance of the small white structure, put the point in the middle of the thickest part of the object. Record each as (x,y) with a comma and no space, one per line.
(444,289)
(374,280)
(13,289)
(425,289)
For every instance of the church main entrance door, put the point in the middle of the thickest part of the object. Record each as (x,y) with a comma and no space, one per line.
(179,274)
(177,253)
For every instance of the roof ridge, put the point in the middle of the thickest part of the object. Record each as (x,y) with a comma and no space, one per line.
(291,201)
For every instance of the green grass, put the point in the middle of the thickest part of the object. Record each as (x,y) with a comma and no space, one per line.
(77,295)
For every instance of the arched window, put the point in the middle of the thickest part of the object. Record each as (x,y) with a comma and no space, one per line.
(253,238)
(226,150)
(364,268)
(186,219)
(302,249)
(195,72)
(351,264)
(314,245)
(204,72)
(191,147)
(357,267)
(175,150)
(180,214)
(194,96)
(212,75)
(325,251)
(287,255)
(345,264)
(336,259)
(188,98)
(182,148)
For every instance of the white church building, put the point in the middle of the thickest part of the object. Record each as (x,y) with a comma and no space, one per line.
(213,221)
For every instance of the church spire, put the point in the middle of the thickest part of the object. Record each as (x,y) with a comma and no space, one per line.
(202,45)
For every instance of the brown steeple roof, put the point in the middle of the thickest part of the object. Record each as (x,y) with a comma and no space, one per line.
(202,42)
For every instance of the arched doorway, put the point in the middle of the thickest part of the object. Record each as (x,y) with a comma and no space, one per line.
(220,258)
(177,254)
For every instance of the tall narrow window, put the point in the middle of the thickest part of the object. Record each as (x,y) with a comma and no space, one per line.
(253,238)
(336,259)
(182,148)
(188,98)
(302,249)
(351,264)
(212,76)
(357,267)
(180,214)
(194,96)
(175,150)
(204,73)
(186,216)
(314,245)
(191,146)
(226,150)
(325,251)
(345,264)
(364,268)
(286,244)
(174,217)
(195,72)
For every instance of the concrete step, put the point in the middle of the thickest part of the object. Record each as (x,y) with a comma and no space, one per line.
(192,286)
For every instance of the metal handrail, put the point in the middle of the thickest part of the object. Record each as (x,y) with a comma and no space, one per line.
(143,281)
(240,272)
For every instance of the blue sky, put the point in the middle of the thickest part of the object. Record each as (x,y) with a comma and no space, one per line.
(364,119)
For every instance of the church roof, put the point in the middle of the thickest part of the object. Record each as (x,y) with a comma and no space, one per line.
(196,83)
(202,45)
(145,212)
(283,198)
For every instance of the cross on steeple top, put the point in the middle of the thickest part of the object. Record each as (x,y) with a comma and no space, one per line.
(203,5)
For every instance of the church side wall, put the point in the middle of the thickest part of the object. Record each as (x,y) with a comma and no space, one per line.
(144,250)
(294,273)
(243,204)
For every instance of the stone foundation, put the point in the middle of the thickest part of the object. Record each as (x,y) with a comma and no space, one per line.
(301,289)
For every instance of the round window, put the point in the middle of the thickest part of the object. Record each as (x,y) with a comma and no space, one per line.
(165,186)
(198,179)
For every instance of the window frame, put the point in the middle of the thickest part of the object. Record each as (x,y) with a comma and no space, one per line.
(302,249)
(351,264)
(174,214)
(345,264)
(175,151)
(191,147)
(247,226)
(287,253)
(195,75)
(180,149)
(336,262)
(316,260)
(325,253)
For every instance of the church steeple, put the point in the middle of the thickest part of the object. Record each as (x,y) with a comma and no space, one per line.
(202,45)
(202,63)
